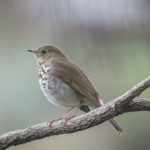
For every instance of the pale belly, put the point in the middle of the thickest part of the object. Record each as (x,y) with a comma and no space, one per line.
(58,92)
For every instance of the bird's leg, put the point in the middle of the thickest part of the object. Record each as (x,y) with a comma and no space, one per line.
(75,113)
(62,117)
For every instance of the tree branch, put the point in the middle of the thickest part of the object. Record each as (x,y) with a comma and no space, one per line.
(125,103)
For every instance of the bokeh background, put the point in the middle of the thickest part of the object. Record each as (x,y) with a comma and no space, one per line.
(109,39)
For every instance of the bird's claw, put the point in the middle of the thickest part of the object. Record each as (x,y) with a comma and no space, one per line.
(66,119)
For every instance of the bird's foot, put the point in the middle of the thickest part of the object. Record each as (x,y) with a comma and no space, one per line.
(66,120)
(69,118)
(52,121)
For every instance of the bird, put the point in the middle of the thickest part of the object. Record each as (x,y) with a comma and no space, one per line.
(65,84)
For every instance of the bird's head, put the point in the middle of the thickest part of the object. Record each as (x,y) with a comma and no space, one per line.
(46,54)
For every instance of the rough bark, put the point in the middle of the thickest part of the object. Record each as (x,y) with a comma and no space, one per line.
(125,103)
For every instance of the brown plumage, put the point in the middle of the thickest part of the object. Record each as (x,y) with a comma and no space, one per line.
(75,77)
(66,73)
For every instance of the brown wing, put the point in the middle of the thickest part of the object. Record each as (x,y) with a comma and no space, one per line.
(73,75)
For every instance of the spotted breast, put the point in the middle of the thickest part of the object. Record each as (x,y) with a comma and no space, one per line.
(55,89)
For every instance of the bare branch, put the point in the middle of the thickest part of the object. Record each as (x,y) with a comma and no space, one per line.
(139,104)
(125,103)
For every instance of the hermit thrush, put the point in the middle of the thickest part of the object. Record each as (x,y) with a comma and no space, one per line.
(65,84)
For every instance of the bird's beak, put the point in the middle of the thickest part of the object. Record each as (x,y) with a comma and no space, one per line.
(33,51)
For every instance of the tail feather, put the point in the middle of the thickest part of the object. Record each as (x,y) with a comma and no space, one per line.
(116,126)
(112,121)
(86,109)
(118,129)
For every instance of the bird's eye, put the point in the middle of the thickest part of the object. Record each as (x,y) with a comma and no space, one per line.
(43,51)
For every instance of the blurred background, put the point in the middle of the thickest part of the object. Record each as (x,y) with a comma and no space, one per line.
(109,39)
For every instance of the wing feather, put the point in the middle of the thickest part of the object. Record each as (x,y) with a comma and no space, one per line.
(74,76)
